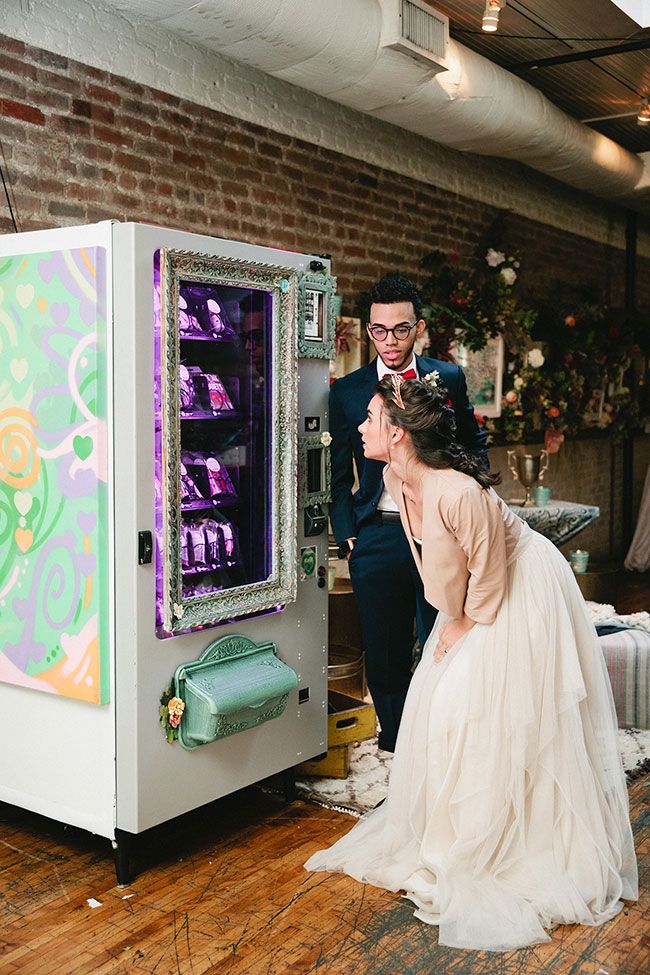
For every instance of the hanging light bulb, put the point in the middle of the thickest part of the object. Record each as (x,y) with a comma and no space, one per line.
(643,118)
(490,20)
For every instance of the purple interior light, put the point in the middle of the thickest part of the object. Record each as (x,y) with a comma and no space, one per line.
(226,430)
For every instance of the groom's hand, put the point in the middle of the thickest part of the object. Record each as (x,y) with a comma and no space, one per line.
(345,548)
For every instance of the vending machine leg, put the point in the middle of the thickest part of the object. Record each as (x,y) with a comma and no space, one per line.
(289,782)
(122,845)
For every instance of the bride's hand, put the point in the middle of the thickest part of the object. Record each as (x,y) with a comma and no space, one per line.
(452,631)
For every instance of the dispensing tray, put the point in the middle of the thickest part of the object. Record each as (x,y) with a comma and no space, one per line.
(236,684)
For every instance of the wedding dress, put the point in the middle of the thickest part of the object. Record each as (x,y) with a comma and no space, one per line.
(507,809)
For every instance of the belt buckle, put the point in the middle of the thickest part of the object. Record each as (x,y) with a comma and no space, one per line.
(389,517)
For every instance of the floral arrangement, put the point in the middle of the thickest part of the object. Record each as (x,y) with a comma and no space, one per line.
(171,712)
(539,399)
(565,360)
(574,382)
(344,335)
(471,306)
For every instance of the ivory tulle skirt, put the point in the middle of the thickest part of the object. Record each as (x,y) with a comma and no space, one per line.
(507,809)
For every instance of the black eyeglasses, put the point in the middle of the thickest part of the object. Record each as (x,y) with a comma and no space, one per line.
(401,331)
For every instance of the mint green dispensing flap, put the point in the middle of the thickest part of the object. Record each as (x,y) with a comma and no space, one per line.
(235,684)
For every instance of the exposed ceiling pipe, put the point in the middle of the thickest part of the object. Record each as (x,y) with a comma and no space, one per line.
(335,50)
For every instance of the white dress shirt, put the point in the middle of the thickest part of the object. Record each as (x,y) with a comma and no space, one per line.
(385,502)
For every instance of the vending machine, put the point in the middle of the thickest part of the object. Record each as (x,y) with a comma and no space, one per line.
(164,478)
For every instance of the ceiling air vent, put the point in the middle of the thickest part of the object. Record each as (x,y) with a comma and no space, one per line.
(413,27)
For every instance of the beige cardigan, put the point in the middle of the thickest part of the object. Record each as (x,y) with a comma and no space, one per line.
(468,534)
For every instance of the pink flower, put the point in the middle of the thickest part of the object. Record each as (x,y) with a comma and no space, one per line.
(175,708)
(553,440)
(511,397)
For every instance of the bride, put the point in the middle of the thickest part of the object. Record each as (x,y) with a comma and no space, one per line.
(507,807)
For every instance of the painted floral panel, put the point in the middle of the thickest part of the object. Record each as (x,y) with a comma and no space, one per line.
(53,473)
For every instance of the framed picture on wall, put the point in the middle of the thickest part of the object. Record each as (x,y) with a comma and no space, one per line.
(349,347)
(484,373)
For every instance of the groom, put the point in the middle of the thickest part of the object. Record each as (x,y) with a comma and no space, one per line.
(366,524)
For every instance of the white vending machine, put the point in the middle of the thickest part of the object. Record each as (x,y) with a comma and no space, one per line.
(164,477)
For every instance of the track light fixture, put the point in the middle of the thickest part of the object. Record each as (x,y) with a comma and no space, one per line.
(643,117)
(490,20)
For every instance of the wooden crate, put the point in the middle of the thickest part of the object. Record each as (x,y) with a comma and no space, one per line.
(349,719)
(334,765)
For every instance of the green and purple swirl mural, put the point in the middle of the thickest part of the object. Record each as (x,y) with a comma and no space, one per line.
(53,473)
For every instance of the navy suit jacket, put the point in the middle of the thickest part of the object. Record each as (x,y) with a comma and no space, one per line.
(348,407)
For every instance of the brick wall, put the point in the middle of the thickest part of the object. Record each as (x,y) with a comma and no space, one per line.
(81,145)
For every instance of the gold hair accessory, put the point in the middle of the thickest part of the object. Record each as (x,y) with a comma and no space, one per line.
(432,378)
(397,395)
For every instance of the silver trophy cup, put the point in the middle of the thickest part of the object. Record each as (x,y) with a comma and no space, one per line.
(528,469)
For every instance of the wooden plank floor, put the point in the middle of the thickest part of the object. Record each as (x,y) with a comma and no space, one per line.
(222,890)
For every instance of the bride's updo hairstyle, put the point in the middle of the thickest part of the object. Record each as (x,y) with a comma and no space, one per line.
(423,410)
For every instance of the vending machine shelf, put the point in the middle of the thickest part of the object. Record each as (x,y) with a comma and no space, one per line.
(209,503)
(211,567)
(209,414)
(195,337)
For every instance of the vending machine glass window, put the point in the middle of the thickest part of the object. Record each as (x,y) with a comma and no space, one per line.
(221,394)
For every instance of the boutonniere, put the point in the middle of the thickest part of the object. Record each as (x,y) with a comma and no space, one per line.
(432,379)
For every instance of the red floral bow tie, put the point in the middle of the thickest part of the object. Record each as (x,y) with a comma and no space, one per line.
(409,374)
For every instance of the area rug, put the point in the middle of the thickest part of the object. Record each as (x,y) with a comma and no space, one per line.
(367,782)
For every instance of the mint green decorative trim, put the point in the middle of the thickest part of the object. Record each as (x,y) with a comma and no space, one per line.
(323,347)
(235,684)
(182,613)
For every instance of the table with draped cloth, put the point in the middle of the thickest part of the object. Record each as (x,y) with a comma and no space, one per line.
(559,521)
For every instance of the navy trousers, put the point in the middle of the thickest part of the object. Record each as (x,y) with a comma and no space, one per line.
(390,596)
